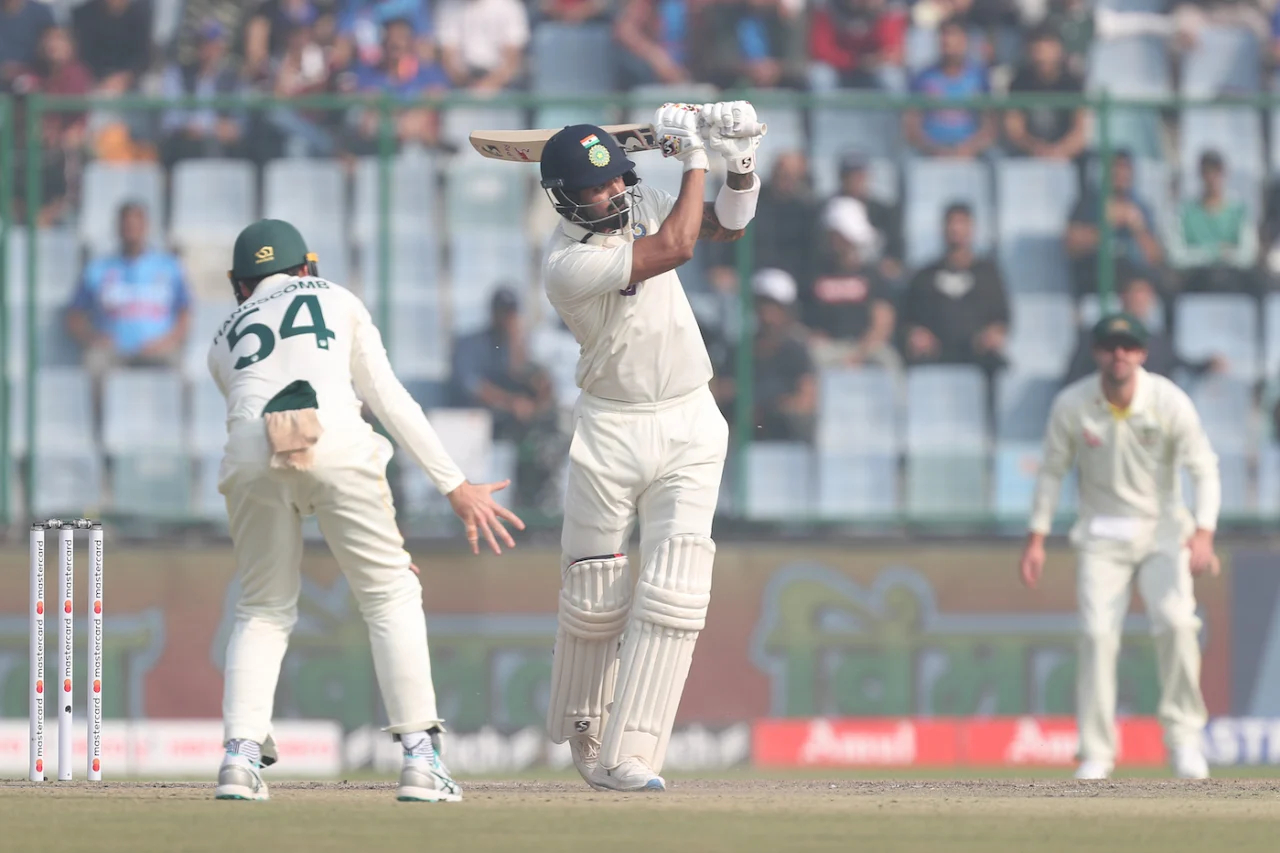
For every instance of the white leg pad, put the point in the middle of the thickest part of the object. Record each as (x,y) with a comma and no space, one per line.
(669,612)
(595,598)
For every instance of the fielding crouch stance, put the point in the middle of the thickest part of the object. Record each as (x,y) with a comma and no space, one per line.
(290,361)
(648,440)
(1130,433)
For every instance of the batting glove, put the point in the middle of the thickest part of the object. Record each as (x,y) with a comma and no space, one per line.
(734,133)
(676,126)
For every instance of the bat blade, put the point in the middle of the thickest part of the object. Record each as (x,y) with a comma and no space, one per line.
(525,146)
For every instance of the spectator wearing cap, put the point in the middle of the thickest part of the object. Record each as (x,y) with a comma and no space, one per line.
(115,41)
(956,310)
(654,36)
(959,133)
(885,219)
(1138,298)
(22,22)
(492,370)
(202,131)
(482,43)
(1213,243)
(1051,132)
(857,44)
(1133,228)
(784,394)
(849,308)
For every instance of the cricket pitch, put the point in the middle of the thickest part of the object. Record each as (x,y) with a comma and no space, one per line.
(731,815)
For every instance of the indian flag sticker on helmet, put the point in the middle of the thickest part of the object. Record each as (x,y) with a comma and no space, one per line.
(599,156)
(588,141)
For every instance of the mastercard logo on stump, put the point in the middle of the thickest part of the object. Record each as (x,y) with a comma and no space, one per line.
(97,686)
(97,765)
(40,608)
(66,685)
(39,765)
(67,606)
(39,686)
(97,607)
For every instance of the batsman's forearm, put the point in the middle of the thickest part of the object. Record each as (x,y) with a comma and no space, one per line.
(681,227)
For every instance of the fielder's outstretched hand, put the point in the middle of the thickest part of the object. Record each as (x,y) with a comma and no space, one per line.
(474,504)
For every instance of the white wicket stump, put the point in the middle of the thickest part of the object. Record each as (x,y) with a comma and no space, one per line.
(64,695)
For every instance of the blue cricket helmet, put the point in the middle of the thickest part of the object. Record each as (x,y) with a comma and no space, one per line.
(581,156)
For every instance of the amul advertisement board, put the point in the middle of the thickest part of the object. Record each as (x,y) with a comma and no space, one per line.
(794,632)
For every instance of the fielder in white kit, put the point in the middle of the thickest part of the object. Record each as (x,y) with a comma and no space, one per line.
(290,362)
(648,442)
(1129,434)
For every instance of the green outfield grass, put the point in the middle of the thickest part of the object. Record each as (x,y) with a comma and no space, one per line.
(734,816)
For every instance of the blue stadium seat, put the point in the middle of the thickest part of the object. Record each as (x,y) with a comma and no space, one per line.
(419,344)
(1022,406)
(64,409)
(557,351)
(572,59)
(428,393)
(151,485)
(1042,336)
(1268,502)
(1226,324)
(1271,335)
(57,266)
(68,482)
(1225,404)
(207,317)
(142,411)
(779,480)
(1034,199)
(212,200)
(875,133)
(486,195)
(946,409)
(1136,65)
(312,195)
(210,505)
(857,485)
(1017,463)
(208,432)
(786,133)
(106,187)
(414,197)
(1224,61)
(931,185)
(478,263)
(556,117)
(457,123)
(412,268)
(857,412)
(942,485)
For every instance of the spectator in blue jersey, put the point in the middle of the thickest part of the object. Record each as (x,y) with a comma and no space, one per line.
(131,308)
(951,132)
(361,24)
(403,74)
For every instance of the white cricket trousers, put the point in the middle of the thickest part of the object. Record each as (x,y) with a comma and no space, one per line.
(1106,570)
(658,463)
(349,495)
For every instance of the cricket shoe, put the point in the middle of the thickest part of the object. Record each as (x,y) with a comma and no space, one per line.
(633,774)
(586,755)
(1094,770)
(1189,763)
(240,779)
(424,778)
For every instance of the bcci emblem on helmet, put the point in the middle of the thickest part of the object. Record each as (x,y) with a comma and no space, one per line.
(599,156)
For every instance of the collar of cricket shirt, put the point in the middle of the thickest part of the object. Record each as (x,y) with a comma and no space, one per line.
(1141,396)
(578,234)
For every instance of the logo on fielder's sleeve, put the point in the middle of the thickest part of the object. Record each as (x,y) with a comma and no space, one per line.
(599,156)
(265,254)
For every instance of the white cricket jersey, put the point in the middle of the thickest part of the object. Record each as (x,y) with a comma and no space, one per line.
(1128,463)
(638,343)
(315,330)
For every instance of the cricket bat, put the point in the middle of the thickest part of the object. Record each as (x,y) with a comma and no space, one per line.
(525,146)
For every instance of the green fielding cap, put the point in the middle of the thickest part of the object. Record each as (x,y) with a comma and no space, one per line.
(1120,327)
(265,247)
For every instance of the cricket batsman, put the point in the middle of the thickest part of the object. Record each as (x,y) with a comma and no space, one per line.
(291,360)
(648,441)
(1129,433)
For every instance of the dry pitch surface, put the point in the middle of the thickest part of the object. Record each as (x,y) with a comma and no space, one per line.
(885,816)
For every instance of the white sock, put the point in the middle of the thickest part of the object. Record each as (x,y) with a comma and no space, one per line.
(417,746)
